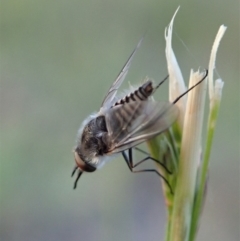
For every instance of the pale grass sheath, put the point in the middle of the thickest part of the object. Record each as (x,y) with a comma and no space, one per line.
(215,91)
(176,82)
(190,155)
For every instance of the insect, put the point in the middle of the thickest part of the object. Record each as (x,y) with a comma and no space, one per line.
(121,124)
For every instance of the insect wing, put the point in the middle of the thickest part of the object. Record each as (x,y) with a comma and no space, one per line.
(109,99)
(135,122)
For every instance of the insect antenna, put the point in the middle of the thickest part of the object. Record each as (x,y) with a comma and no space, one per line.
(180,96)
(78,176)
(74,170)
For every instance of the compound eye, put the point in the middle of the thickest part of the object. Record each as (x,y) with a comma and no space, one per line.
(82,165)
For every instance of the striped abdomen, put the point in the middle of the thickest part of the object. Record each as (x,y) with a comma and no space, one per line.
(142,93)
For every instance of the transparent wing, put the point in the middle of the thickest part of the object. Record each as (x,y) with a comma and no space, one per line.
(135,122)
(109,99)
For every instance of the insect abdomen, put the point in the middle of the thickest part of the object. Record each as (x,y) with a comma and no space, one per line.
(142,93)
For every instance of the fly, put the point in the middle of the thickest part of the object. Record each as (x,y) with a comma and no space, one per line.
(123,123)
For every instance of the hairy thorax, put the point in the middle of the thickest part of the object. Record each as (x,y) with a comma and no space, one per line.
(93,139)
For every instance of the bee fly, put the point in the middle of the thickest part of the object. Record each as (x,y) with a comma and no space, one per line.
(123,123)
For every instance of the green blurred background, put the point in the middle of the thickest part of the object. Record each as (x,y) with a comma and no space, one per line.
(58,58)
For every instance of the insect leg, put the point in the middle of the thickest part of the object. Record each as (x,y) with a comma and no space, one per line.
(142,151)
(130,165)
(127,160)
(200,81)
(150,158)
(153,170)
(162,81)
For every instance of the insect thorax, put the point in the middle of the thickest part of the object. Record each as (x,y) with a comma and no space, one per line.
(92,142)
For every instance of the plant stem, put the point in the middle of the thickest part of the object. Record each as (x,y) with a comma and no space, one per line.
(204,170)
(189,161)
